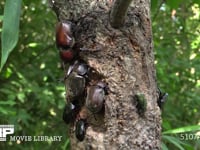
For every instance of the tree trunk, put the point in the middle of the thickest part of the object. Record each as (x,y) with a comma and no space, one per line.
(124,59)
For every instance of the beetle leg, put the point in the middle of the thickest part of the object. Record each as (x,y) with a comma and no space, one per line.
(71,67)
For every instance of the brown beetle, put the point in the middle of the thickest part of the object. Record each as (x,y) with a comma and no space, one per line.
(95,97)
(68,55)
(64,36)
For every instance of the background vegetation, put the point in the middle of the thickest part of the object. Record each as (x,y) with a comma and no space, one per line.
(32,98)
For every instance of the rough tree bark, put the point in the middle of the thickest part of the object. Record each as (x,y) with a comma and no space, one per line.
(125,60)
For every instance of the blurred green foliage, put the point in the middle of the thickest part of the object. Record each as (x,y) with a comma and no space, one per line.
(32,99)
(176,31)
(31,96)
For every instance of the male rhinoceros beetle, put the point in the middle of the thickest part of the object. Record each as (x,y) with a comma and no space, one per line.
(69,113)
(80,129)
(162,97)
(95,97)
(80,68)
(76,80)
(75,86)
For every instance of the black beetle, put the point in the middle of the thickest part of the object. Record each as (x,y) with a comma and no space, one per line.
(95,97)
(162,97)
(75,86)
(76,80)
(80,68)
(69,113)
(80,129)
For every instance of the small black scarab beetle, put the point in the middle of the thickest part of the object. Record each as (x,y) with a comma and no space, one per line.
(80,129)
(69,113)
(161,98)
(95,97)
(64,36)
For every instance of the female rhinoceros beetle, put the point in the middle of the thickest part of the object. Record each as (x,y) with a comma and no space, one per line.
(65,42)
(69,113)
(95,97)
(80,129)
(64,36)
(68,55)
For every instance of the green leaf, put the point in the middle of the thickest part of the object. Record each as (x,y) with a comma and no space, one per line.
(10,30)
(7,111)
(21,97)
(24,116)
(33,44)
(66,144)
(9,102)
(163,146)
(183,129)
(174,141)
